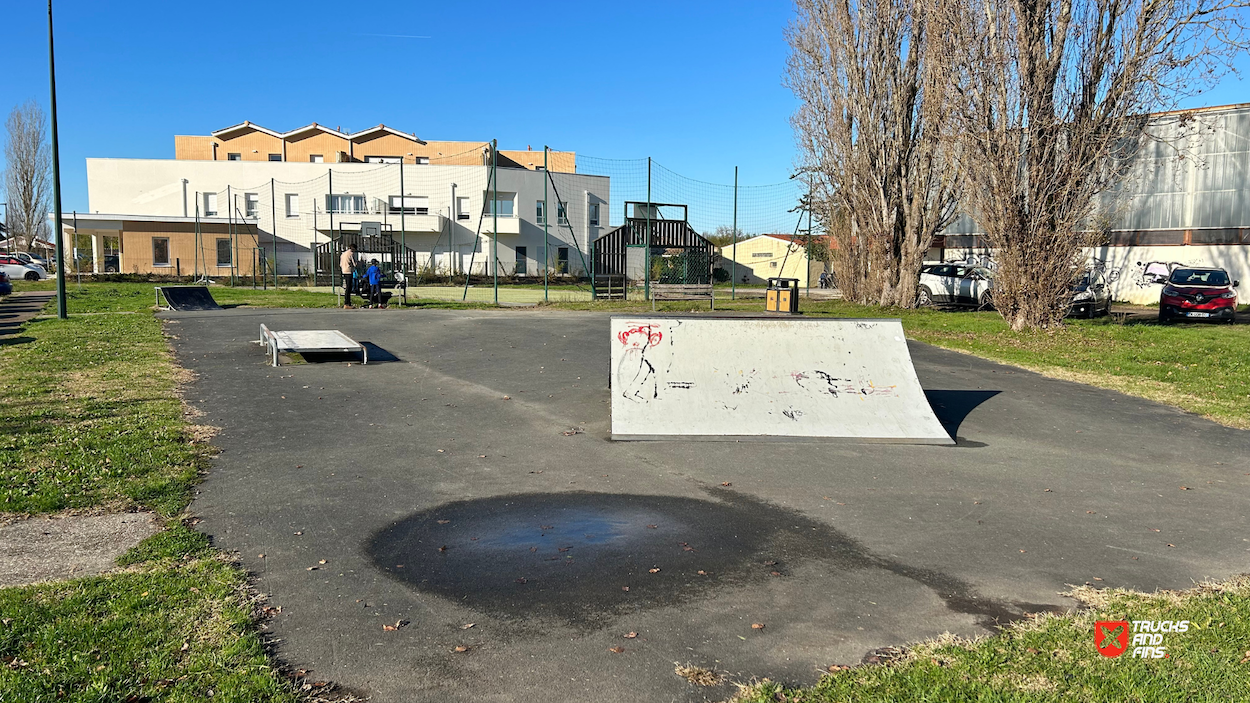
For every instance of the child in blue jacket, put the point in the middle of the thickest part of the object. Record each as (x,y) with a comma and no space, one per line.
(374,277)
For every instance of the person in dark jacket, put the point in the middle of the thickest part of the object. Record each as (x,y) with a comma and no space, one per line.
(374,276)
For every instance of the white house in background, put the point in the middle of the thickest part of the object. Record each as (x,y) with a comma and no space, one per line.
(255,192)
(444,213)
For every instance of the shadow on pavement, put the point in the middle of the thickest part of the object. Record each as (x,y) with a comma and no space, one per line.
(377,355)
(951,407)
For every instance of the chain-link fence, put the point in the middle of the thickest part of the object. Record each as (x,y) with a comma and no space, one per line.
(482,216)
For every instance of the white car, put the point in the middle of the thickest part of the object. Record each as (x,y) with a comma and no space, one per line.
(956,284)
(19,271)
(32,259)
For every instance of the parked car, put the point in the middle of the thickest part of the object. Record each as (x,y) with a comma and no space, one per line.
(1197,293)
(1090,295)
(20,271)
(32,259)
(6,288)
(956,284)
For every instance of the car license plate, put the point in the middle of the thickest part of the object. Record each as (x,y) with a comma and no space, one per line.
(1197,314)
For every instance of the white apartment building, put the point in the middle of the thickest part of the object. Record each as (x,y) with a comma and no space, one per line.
(143,213)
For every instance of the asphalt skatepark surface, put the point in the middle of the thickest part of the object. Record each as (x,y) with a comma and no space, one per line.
(467,478)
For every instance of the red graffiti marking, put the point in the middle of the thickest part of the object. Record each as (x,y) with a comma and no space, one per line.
(651,335)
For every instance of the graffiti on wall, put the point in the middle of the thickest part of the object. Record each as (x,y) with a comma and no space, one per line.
(1154,273)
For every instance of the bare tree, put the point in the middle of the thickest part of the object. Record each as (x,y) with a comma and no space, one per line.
(873,136)
(1052,98)
(26,177)
(724,236)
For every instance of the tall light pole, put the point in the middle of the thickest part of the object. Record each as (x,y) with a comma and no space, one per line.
(56,182)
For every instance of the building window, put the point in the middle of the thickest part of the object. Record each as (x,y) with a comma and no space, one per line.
(160,251)
(462,209)
(562,260)
(383,160)
(762,255)
(316,158)
(346,204)
(423,160)
(593,218)
(540,212)
(223,253)
(234,157)
(251,204)
(502,205)
(275,157)
(292,204)
(409,205)
(772,264)
(210,204)
(522,267)
(562,213)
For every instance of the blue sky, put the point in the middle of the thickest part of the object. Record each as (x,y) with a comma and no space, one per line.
(697,85)
(686,83)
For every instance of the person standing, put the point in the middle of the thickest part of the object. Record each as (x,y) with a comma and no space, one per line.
(374,277)
(347,267)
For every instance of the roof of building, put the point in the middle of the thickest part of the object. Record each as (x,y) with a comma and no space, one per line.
(799,238)
(116,217)
(245,125)
(314,126)
(388,130)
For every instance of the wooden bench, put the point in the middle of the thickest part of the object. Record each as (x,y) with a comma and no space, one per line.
(682,291)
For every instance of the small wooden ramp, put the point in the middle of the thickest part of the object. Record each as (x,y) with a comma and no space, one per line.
(186,298)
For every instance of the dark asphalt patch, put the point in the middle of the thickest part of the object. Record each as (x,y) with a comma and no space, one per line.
(584,559)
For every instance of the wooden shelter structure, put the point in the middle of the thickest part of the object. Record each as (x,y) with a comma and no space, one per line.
(656,244)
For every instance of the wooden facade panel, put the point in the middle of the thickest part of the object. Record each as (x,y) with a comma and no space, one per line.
(251,145)
(138,246)
(557,161)
(192,148)
(300,147)
(387,144)
(456,153)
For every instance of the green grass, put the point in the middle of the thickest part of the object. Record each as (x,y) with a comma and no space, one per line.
(141,297)
(124,297)
(173,629)
(1054,658)
(89,416)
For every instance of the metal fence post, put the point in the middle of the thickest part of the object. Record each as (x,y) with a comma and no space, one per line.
(403,227)
(546,238)
(273,215)
(733,277)
(646,273)
(494,208)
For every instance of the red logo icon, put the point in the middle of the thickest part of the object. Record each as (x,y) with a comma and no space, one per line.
(1111,637)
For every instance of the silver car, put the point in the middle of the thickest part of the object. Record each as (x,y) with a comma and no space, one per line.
(19,271)
(956,284)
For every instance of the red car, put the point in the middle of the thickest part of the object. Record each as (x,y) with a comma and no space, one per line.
(1199,294)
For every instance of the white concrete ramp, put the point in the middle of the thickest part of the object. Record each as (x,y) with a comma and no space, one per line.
(735,378)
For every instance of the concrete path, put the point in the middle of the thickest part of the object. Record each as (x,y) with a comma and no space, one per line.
(471,481)
(18,308)
(55,547)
